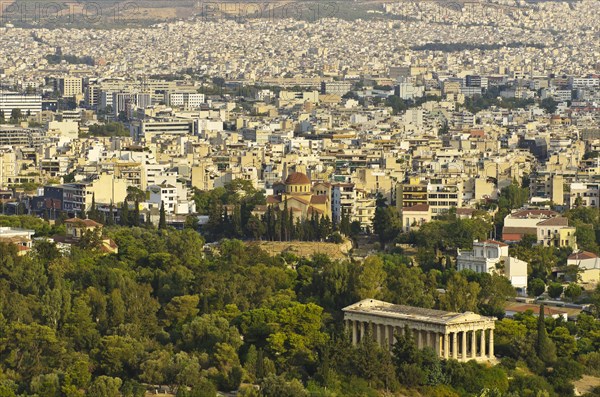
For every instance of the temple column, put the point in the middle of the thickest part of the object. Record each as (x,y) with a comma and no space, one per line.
(373,328)
(473,344)
(354,332)
(446,346)
(491,344)
(482,344)
(463,346)
(419,339)
(436,343)
(391,339)
(362,331)
(455,345)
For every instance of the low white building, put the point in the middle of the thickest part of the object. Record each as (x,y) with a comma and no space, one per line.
(492,257)
(22,238)
(174,197)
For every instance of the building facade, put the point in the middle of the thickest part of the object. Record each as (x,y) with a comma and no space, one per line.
(460,336)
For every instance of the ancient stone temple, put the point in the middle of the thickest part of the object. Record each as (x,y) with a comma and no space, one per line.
(461,336)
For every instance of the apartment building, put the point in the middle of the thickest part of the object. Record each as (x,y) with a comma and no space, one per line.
(548,228)
(29,104)
(492,257)
(335,87)
(184,99)
(586,194)
(68,87)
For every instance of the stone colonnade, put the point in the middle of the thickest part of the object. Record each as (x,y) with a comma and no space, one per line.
(463,342)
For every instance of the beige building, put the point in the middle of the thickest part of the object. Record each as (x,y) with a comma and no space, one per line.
(70,86)
(588,264)
(460,336)
(415,216)
(108,189)
(9,167)
(297,195)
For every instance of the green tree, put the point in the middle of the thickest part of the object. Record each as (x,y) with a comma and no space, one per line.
(15,115)
(386,224)
(47,385)
(162,222)
(192,222)
(549,104)
(565,343)
(371,278)
(105,386)
(30,349)
(511,338)
(182,308)
(277,386)
(536,287)
(125,217)
(135,215)
(545,348)
(573,291)
(298,335)
(461,295)
(80,326)
(555,290)
(255,227)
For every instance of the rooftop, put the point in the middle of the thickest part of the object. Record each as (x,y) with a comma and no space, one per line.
(385,309)
(583,255)
(297,178)
(85,222)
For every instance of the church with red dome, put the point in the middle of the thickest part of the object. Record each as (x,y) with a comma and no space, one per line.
(297,193)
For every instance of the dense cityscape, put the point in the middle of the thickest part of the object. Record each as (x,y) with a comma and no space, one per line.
(300,199)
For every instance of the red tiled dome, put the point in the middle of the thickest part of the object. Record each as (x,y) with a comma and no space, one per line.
(297,178)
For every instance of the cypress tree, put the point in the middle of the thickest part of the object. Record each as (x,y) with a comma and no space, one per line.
(110,219)
(236,222)
(545,347)
(162,222)
(136,213)
(284,222)
(345,223)
(260,365)
(93,211)
(125,213)
(290,225)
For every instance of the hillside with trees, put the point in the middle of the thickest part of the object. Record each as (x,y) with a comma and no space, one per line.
(163,311)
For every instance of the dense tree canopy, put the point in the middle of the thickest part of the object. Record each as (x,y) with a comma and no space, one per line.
(166,310)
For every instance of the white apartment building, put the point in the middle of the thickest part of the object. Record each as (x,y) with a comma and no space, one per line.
(589,193)
(105,99)
(492,257)
(147,129)
(409,91)
(343,200)
(184,99)
(581,82)
(28,104)
(174,198)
